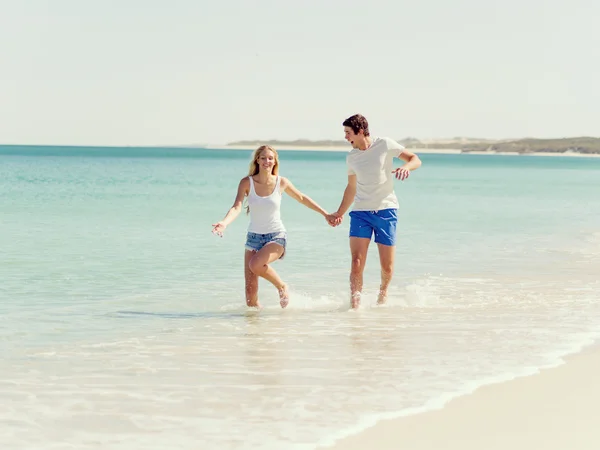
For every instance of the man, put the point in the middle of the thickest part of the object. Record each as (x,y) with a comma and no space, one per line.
(371,189)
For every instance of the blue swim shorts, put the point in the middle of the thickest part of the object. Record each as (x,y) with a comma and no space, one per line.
(256,241)
(383,223)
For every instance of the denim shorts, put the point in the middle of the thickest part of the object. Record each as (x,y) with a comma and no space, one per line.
(382,223)
(256,241)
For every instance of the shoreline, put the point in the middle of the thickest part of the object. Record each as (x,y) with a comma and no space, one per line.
(552,409)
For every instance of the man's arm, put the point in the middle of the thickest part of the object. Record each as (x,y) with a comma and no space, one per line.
(412,162)
(349,194)
(335,218)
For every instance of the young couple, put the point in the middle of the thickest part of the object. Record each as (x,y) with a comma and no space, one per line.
(370,187)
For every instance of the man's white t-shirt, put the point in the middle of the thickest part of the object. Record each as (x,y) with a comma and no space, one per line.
(374,179)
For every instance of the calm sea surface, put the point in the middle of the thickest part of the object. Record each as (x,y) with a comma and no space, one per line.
(123,323)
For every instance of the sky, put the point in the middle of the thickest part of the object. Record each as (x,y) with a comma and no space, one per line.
(185,72)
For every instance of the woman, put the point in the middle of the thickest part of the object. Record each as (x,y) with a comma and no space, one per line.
(266,238)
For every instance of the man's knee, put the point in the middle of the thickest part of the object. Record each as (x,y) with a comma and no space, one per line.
(358,263)
(387,269)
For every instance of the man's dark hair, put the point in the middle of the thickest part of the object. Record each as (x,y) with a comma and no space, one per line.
(357,122)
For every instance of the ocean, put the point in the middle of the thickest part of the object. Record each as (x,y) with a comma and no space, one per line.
(123,322)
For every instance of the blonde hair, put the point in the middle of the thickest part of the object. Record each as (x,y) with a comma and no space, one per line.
(254,166)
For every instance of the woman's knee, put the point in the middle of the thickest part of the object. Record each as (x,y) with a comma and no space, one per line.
(256,266)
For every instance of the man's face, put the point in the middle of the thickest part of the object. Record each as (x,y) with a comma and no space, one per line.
(355,139)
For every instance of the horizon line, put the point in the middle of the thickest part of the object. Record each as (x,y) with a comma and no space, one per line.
(283,141)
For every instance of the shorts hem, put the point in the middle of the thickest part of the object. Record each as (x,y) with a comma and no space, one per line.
(256,241)
(387,244)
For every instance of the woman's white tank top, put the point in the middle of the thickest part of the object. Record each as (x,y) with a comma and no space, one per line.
(265,212)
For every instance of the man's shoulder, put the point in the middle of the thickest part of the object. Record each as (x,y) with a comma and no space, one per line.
(391,144)
(351,153)
(378,144)
(387,140)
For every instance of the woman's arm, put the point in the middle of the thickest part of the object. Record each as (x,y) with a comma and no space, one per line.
(235,209)
(291,190)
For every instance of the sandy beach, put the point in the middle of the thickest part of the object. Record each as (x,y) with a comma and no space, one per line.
(555,409)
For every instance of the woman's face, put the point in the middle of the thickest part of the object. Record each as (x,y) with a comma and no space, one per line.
(266,160)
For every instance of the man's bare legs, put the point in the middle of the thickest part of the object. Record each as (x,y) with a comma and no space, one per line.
(386,259)
(258,264)
(358,251)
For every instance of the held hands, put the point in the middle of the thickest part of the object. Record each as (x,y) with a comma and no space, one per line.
(401,173)
(334,219)
(218,228)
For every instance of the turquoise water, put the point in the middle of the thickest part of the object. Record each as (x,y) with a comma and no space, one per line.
(123,322)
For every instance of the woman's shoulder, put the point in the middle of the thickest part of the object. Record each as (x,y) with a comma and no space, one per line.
(283,181)
(245,182)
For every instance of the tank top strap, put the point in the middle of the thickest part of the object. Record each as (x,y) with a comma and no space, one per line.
(278,184)
(252,191)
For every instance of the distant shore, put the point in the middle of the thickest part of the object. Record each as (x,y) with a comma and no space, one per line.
(569,146)
(449,151)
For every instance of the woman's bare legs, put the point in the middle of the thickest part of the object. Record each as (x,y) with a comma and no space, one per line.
(259,266)
(251,281)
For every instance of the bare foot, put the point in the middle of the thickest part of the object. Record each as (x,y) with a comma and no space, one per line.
(382,298)
(355,300)
(255,304)
(283,296)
